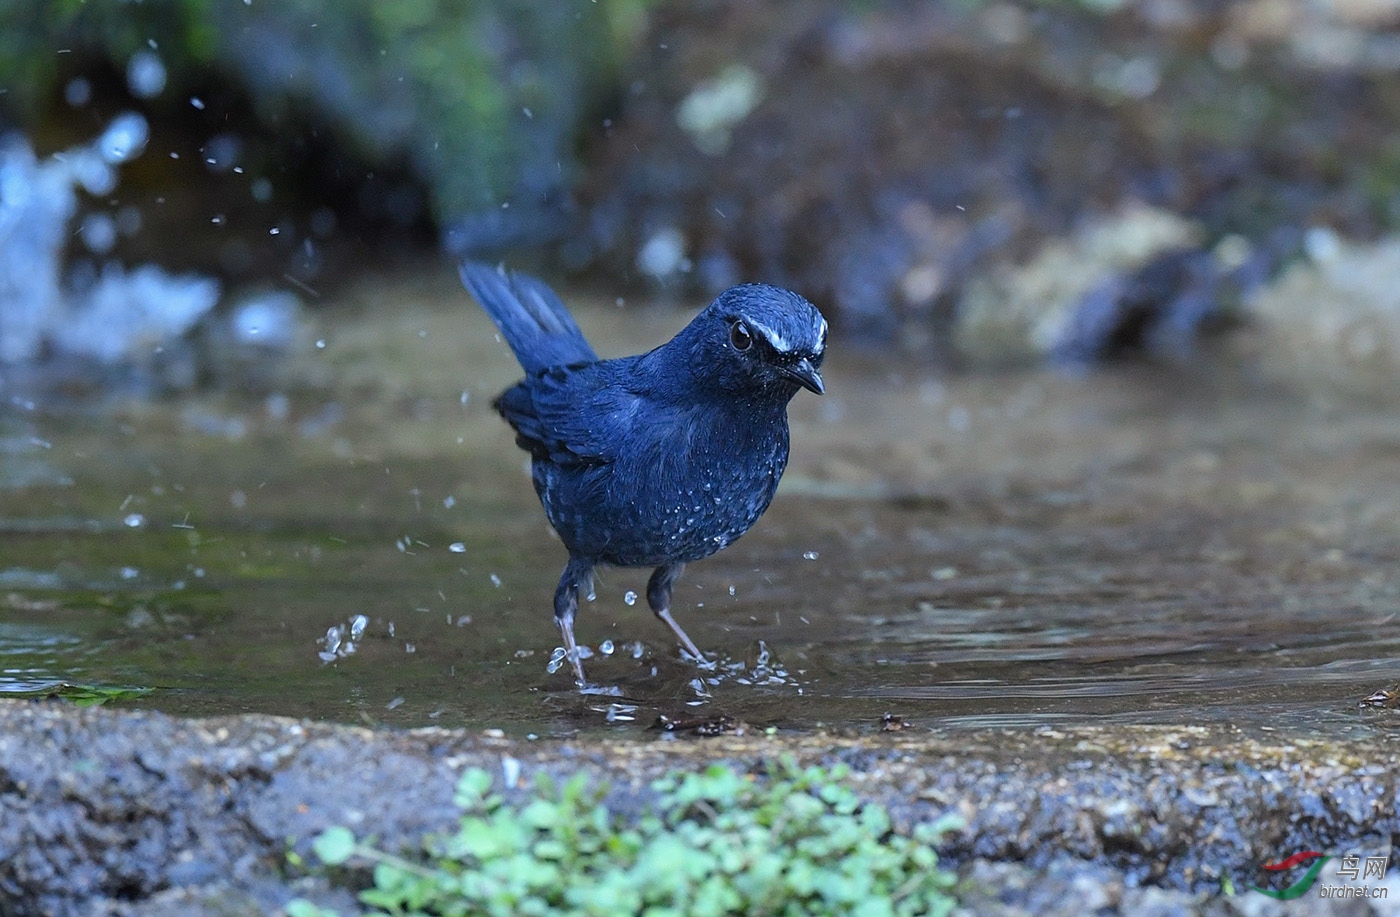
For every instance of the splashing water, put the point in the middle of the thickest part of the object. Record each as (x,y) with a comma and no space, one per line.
(112,316)
(342,640)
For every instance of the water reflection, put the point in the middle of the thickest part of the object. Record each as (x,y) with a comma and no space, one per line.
(1018,550)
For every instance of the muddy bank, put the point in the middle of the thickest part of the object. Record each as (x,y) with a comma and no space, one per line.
(130,812)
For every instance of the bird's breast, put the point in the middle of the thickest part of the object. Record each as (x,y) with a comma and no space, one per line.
(670,498)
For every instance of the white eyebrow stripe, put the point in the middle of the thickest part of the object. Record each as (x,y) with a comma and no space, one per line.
(775,340)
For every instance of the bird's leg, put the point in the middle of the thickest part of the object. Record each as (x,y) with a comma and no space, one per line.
(576,573)
(659,598)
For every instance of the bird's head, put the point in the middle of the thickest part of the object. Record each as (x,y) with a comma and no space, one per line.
(760,339)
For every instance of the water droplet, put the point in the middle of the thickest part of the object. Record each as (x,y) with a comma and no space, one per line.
(145,75)
(606,647)
(357,626)
(98,232)
(394,704)
(495,581)
(448,502)
(134,521)
(457,547)
(124,138)
(732,590)
(630,598)
(78,92)
(810,555)
(321,345)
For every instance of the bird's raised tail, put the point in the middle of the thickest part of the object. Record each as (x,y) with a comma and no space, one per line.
(533,321)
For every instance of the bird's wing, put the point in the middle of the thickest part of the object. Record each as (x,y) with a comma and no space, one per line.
(571,415)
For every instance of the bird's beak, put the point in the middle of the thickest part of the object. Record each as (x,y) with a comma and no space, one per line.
(806,375)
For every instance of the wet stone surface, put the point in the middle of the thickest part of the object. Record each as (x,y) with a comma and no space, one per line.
(131,812)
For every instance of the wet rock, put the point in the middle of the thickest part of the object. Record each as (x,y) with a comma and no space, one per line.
(893,161)
(1073,296)
(871,159)
(1065,890)
(139,813)
(1332,320)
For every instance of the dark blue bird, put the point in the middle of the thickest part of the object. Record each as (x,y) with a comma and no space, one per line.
(659,459)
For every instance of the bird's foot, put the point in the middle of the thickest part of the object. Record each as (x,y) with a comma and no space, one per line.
(702,662)
(688,648)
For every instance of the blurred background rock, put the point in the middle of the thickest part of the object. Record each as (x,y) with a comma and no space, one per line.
(988,183)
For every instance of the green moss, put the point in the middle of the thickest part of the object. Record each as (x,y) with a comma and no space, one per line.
(83,695)
(714,843)
(442,84)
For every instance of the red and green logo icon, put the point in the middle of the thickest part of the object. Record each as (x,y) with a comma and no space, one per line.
(1303,883)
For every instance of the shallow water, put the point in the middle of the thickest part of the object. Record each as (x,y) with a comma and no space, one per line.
(1145,545)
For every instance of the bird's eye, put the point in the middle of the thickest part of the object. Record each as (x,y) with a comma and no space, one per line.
(739,337)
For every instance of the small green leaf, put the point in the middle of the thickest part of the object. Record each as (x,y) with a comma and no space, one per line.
(718,842)
(472,788)
(335,845)
(300,907)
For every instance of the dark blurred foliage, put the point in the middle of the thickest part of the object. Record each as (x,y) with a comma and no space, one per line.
(376,117)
